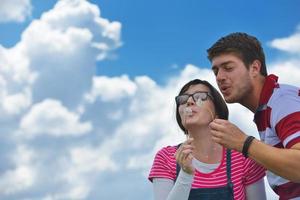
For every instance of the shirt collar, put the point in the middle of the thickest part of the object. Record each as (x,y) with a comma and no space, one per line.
(267,90)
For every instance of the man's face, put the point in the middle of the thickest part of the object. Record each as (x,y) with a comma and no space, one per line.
(232,77)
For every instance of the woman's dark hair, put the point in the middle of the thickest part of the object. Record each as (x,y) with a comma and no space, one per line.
(219,103)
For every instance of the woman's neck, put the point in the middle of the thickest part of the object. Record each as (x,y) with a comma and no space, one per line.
(206,150)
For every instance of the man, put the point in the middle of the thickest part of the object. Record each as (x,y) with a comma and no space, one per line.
(238,63)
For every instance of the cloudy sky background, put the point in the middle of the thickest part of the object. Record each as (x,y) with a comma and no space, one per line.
(87,87)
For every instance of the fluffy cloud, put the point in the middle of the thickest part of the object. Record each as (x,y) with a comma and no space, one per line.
(110,89)
(16,180)
(43,79)
(72,36)
(23,176)
(89,134)
(15,82)
(50,117)
(290,44)
(287,68)
(15,10)
(82,167)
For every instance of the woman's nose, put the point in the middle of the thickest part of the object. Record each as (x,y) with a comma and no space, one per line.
(190,101)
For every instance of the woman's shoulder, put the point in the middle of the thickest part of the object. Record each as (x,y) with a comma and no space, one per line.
(168,150)
(238,159)
(237,156)
(166,156)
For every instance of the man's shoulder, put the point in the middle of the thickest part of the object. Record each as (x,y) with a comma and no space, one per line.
(284,93)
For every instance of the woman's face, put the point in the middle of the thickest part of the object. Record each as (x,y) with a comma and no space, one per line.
(199,109)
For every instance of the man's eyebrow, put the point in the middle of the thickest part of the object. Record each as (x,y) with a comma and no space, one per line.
(226,63)
(221,65)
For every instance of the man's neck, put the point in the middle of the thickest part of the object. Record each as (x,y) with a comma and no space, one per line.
(252,99)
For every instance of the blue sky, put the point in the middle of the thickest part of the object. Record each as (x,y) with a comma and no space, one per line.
(87,87)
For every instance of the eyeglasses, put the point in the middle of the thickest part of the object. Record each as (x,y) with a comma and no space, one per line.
(182,99)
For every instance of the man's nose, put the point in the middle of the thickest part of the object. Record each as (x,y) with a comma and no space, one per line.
(220,76)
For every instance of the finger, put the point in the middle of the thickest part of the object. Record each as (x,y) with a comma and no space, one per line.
(178,152)
(218,137)
(188,147)
(216,140)
(220,121)
(216,126)
(217,134)
(185,154)
(179,155)
(189,140)
(179,149)
(190,157)
(185,145)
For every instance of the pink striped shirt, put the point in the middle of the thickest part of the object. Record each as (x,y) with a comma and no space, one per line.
(243,171)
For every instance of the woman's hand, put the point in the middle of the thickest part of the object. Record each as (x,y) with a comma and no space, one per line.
(184,156)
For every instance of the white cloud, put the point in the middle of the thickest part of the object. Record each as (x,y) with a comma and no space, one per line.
(287,70)
(74,14)
(76,192)
(290,44)
(15,10)
(15,82)
(82,167)
(111,89)
(15,103)
(16,180)
(52,118)
(23,176)
(98,159)
(50,73)
(71,36)
(42,81)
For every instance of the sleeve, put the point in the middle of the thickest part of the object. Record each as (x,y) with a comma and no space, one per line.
(253,172)
(286,119)
(165,189)
(164,165)
(256,191)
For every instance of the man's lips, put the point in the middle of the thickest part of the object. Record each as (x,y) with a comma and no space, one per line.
(224,89)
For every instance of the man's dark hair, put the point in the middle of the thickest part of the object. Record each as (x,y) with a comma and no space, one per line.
(220,105)
(245,46)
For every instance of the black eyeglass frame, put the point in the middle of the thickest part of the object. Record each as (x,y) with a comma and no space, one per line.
(192,95)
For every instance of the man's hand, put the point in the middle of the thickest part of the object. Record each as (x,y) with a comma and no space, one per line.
(227,134)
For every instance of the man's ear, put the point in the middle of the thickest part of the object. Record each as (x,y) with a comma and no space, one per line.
(255,68)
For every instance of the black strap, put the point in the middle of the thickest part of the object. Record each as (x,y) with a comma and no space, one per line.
(246,145)
(228,168)
(177,165)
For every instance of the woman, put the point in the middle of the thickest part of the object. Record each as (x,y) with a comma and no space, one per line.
(200,168)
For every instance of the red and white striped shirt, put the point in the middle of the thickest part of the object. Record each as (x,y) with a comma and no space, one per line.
(243,171)
(278,122)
